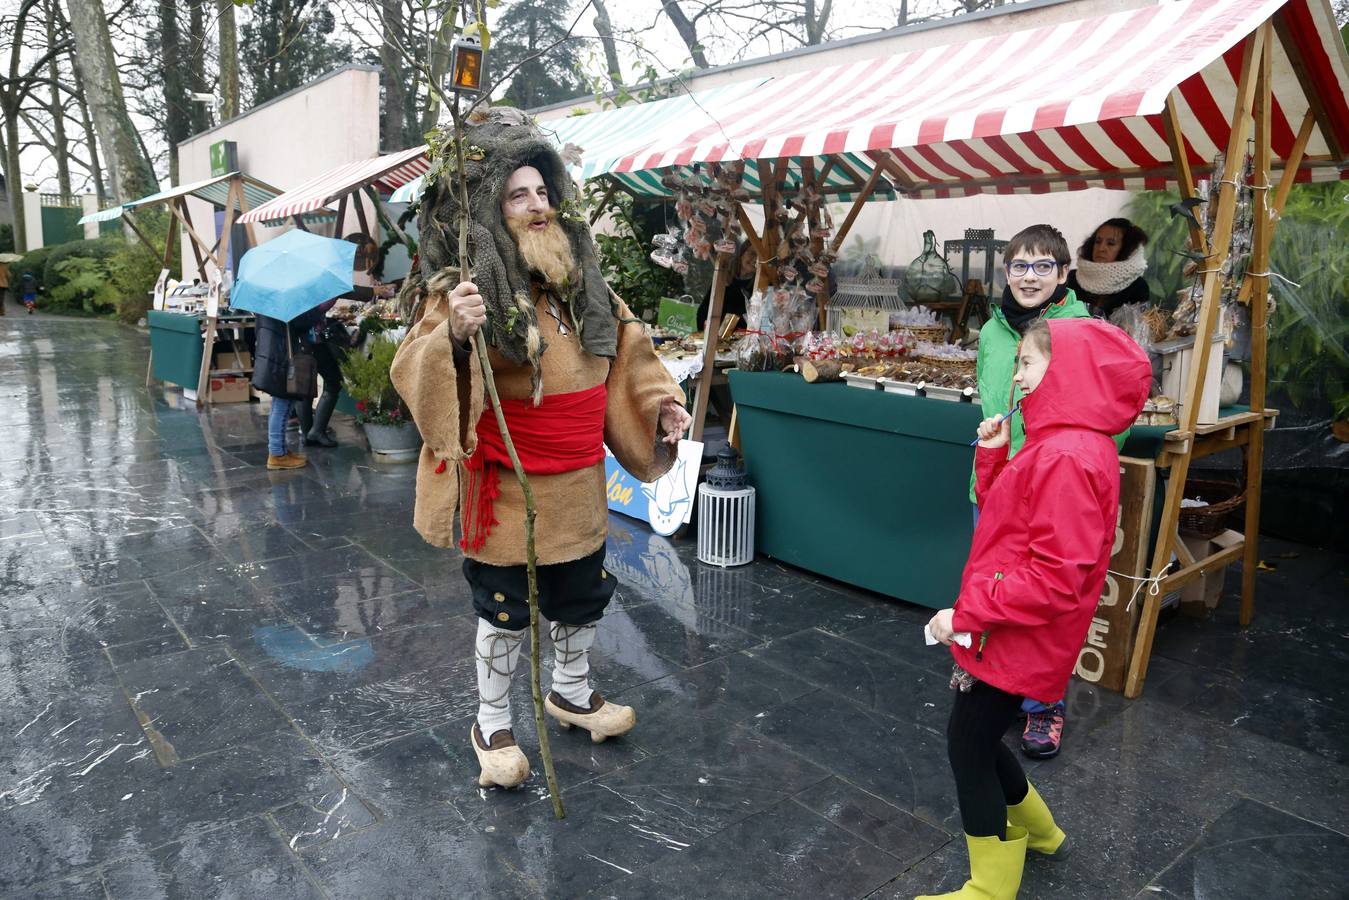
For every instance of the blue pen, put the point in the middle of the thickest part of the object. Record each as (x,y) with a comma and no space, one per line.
(1002,418)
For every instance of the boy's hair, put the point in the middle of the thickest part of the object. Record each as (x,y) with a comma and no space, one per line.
(1042,239)
(1133,238)
(1037,335)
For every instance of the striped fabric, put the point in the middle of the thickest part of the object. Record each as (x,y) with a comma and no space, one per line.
(212,190)
(1062,107)
(607,136)
(385,173)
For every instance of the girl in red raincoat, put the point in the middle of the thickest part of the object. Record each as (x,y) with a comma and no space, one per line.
(1035,572)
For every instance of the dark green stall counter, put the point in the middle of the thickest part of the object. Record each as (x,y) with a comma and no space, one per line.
(175,345)
(861,486)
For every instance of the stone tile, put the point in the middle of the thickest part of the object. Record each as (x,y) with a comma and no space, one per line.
(1254,850)
(86,888)
(865,816)
(788,850)
(73,832)
(902,763)
(866,677)
(196,702)
(246,859)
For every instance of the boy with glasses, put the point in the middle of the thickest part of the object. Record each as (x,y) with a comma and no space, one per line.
(1036,261)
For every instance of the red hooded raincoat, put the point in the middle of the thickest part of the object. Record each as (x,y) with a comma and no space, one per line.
(1047,516)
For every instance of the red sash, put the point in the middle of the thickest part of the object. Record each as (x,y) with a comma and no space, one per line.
(563,433)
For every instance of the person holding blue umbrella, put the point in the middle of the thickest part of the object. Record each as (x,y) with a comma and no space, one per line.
(285,283)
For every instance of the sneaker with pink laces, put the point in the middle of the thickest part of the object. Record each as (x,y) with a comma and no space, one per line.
(1044,732)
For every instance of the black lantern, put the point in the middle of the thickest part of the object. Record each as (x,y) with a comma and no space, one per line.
(469,65)
(727,474)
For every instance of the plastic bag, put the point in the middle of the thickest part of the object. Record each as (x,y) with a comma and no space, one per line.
(755,352)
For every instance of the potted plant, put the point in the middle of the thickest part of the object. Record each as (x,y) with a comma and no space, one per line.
(379,410)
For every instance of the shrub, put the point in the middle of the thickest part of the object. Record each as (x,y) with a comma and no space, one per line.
(76,277)
(6,238)
(34,261)
(366,378)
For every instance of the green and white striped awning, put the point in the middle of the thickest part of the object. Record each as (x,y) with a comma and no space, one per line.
(607,137)
(213,190)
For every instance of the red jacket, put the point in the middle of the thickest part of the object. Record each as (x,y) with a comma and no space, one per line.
(1047,517)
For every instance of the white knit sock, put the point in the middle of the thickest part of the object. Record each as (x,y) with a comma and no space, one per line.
(497,651)
(571,661)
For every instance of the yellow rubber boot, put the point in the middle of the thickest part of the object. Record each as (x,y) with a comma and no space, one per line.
(1043,835)
(995,868)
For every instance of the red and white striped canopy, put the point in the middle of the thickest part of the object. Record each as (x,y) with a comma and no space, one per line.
(1063,107)
(386,173)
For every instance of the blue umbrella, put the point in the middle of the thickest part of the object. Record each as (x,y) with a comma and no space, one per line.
(293,274)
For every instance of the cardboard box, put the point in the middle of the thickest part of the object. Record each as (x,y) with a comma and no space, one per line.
(1202,595)
(228,389)
(225,361)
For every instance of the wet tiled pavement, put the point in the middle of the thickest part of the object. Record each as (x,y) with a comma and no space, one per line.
(217,681)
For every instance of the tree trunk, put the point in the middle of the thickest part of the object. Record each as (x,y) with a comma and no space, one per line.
(176,103)
(395,91)
(817,25)
(605,29)
(438,54)
(60,147)
(91,138)
(132,174)
(688,32)
(199,114)
(14,179)
(229,59)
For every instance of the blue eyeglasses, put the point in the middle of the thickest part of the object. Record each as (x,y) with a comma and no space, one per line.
(1042,267)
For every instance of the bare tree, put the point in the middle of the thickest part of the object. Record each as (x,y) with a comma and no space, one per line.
(16,89)
(177,108)
(604,27)
(688,31)
(60,147)
(229,59)
(129,165)
(395,91)
(199,114)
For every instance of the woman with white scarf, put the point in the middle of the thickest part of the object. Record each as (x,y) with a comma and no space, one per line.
(1110,267)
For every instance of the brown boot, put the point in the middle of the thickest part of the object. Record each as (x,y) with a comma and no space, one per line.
(286,461)
(603,719)
(502,761)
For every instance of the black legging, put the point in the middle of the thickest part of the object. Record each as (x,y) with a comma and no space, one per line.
(988,776)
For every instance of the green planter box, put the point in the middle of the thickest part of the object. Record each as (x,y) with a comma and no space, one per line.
(861,486)
(176,342)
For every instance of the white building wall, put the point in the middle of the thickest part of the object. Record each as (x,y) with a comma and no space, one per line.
(288,140)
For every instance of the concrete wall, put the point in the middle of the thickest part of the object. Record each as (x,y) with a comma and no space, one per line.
(288,140)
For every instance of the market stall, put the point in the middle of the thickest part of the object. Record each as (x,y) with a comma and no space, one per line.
(353,187)
(1161,96)
(185,325)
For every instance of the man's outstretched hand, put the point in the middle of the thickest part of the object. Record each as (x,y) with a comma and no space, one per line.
(674,420)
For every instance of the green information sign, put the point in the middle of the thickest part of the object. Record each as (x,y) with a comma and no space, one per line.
(222,157)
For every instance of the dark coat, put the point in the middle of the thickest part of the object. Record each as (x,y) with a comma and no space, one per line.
(271,362)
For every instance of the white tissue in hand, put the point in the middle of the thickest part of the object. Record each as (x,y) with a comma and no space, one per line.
(960,637)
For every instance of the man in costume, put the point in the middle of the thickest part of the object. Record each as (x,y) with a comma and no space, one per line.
(574,371)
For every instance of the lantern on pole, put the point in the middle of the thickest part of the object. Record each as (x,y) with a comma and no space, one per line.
(469,63)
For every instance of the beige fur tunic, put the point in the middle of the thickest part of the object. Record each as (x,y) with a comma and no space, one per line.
(446,401)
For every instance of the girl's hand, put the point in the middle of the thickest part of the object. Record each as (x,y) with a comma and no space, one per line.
(940,626)
(994,434)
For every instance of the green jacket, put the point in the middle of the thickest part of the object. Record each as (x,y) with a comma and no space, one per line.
(998,341)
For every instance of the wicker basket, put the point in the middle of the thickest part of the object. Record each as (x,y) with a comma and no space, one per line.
(958,366)
(934,334)
(1223,498)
